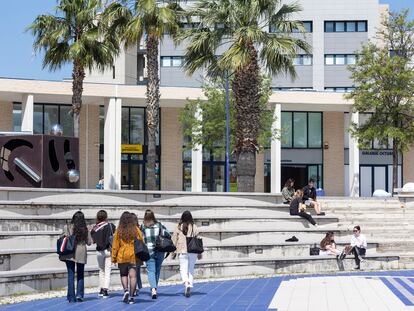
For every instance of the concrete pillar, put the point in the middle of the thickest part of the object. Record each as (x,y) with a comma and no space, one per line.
(112,143)
(333,153)
(171,151)
(353,160)
(259,178)
(276,152)
(408,166)
(318,48)
(6,116)
(197,163)
(27,113)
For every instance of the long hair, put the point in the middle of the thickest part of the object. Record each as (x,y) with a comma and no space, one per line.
(135,219)
(185,221)
(149,218)
(298,193)
(101,216)
(289,182)
(327,240)
(127,229)
(80,230)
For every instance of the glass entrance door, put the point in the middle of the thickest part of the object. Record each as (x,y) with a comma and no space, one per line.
(133,173)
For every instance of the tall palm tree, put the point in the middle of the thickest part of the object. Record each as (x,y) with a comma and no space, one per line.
(149,19)
(77,35)
(239,29)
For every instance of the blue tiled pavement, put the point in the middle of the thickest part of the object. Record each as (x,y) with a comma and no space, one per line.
(250,294)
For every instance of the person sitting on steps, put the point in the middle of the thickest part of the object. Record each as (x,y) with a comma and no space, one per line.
(296,210)
(358,247)
(288,191)
(328,246)
(309,197)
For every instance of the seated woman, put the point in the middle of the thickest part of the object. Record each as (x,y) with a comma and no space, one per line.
(288,191)
(295,208)
(328,246)
(358,247)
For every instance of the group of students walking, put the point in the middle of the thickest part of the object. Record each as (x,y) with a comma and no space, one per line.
(118,245)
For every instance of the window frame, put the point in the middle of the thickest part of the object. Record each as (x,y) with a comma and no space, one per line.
(357,24)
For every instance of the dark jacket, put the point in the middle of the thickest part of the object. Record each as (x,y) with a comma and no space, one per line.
(294,206)
(101,233)
(309,193)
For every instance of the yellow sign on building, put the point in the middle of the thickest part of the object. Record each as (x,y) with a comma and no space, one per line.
(131,148)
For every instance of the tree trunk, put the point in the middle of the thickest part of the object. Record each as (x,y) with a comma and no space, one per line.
(394,165)
(78,75)
(246,93)
(153,106)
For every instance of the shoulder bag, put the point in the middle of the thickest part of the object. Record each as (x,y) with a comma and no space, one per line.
(141,250)
(194,244)
(163,243)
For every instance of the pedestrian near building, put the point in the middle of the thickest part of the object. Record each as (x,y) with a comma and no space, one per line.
(186,228)
(139,281)
(123,254)
(288,191)
(76,261)
(309,197)
(151,229)
(102,235)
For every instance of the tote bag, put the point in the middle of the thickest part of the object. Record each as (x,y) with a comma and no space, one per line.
(141,250)
(194,244)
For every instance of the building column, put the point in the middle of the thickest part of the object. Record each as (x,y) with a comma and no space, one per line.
(353,160)
(27,113)
(197,163)
(408,166)
(112,143)
(259,178)
(276,152)
(6,117)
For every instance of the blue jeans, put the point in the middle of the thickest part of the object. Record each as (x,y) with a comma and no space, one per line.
(154,268)
(80,268)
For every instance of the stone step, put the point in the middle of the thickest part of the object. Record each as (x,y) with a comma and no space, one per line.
(30,280)
(51,223)
(18,259)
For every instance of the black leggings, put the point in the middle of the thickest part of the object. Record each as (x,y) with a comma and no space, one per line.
(358,252)
(306,216)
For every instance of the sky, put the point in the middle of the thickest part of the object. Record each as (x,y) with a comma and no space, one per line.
(17,59)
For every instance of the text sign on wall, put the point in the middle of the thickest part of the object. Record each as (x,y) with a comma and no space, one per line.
(131,148)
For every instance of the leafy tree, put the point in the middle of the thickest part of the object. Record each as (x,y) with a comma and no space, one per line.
(384,86)
(76,34)
(238,30)
(213,123)
(149,19)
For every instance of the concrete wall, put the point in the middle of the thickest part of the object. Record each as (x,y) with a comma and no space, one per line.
(304,78)
(89,146)
(408,166)
(6,116)
(333,157)
(259,178)
(171,150)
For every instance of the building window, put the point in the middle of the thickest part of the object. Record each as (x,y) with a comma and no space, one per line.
(340,59)
(340,89)
(305,88)
(308,25)
(302,60)
(17,117)
(346,26)
(301,130)
(171,61)
(47,115)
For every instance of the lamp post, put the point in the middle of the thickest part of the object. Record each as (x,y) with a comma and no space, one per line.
(227,165)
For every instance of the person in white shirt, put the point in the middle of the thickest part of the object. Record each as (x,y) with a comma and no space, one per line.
(358,247)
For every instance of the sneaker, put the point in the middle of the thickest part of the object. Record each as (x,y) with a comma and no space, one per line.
(342,256)
(361,259)
(357,268)
(105,294)
(187,292)
(136,292)
(79,299)
(101,293)
(125,299)
(131,301)
(154,293)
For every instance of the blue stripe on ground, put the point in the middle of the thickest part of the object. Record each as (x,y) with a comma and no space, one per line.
(396,292)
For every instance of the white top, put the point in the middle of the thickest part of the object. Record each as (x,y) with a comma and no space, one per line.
(359,241)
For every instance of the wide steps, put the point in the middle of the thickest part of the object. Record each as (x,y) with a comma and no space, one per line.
(51,278)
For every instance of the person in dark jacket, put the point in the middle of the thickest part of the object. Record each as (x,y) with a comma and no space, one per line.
(309,197)
(102,235)
(295,209)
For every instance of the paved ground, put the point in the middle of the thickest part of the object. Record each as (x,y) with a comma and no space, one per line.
(377,291)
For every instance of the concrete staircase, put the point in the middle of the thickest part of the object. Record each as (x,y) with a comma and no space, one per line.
(243,235)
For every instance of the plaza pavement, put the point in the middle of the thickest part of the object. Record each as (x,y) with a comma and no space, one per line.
(376,291)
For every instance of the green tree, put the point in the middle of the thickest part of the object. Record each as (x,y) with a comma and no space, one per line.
(384,86)
(149,19)
(238,30)
(76,34)
(213,122)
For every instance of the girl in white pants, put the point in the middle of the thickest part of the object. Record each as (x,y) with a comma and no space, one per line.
(186,228)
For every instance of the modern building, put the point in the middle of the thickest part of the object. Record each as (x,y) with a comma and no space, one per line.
(311,112)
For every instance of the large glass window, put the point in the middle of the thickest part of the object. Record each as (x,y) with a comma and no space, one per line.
(346,26)
(171,61)
(340,59)
(303,60)
(47,115)
(308,25)
(301,129)
(17,117)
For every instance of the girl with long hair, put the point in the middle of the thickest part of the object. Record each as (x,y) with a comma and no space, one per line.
(151,229)
(328,245)
(288,191)
(186,228)
(77,260)
(123,254)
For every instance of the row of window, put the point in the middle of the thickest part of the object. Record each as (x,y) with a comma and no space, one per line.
(332,26)
(339,89)
(340,59)
(172,61)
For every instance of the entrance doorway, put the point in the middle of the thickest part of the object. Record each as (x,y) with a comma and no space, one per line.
(301,173)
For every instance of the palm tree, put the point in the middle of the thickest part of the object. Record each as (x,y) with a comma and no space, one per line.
(240,28)
(77,35)
(149,19)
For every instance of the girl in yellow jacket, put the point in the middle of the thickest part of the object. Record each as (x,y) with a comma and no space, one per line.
(123,254)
